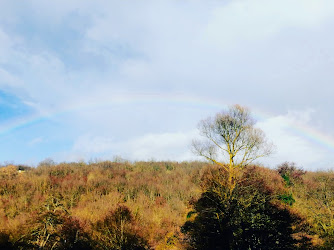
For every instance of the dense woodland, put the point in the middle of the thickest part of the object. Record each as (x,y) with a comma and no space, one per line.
(164,205)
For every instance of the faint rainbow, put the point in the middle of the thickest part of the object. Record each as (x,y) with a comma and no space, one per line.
(312,134)
(22,122)
(300,129)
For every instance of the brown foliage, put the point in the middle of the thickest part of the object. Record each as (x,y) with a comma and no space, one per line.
(53,204)
(66,205)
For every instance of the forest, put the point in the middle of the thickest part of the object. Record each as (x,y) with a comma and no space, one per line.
(164,205)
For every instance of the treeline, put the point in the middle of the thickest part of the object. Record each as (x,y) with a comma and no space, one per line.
(164,205)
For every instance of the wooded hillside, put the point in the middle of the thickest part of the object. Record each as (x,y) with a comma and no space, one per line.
(164,205)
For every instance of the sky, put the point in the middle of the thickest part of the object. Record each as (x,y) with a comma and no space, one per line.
(94,80)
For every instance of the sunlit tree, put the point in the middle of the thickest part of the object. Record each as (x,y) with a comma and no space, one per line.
(231,140)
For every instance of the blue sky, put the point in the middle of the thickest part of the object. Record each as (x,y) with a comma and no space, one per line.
(86,80)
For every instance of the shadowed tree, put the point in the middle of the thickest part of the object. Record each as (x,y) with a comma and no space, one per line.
(118,230)
(251,217)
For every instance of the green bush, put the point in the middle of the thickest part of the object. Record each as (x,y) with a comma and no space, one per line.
(287,199)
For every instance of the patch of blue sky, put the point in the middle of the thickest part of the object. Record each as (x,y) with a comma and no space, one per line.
(35,142)
(22,152)
(12,107)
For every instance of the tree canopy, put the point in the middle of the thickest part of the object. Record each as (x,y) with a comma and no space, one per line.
(232,134)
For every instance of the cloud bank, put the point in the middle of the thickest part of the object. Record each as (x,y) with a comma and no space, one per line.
(75,72)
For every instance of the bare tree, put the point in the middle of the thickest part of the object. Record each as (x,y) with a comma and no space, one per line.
(231,136)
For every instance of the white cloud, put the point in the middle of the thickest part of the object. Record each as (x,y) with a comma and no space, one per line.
(163,146)
(93,144)
(292,146)
(5,45)
(253,20)
(8,80)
